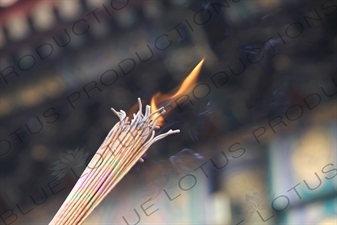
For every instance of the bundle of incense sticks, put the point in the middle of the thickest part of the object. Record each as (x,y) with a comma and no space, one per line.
(122,148)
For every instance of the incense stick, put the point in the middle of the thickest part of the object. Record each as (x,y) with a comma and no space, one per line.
(124,145)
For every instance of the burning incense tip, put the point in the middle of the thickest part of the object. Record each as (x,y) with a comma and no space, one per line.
(185,87)
(123,147)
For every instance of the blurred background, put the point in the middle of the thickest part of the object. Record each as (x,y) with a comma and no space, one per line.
(258,133)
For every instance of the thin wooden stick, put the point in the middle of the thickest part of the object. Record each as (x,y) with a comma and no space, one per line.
(128,140)
(93,182)
(107,174)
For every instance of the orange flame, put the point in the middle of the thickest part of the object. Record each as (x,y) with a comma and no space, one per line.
(185,88)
